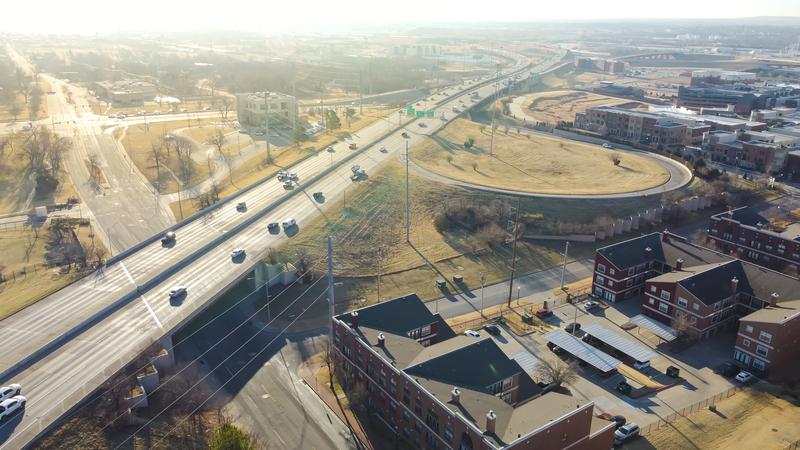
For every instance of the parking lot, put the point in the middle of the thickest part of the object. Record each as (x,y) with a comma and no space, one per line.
(698,380)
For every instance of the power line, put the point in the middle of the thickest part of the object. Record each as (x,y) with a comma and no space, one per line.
(220,365)
(222,339)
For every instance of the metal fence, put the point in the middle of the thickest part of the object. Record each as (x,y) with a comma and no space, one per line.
(702,404)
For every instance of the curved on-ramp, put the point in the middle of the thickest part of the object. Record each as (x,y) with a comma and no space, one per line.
(679,176)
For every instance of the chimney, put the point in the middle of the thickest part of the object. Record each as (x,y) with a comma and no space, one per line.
(455,395)
(354,319)
(678,264)
(381,340)
(491,418)
(665,236)
(773,299)
(734,285)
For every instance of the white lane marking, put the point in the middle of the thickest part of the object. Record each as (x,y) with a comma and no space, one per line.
(144,300)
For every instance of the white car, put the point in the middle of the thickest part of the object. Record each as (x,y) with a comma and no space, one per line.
(237,253)
(329,149)
(12,405)
(383,149)
(607,145)
(626,432)
(744,377)
(472,333)
(9,391)
(293,176)
(590,305)
(640,365)
(177,291)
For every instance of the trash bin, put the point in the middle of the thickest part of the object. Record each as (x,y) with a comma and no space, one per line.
(458,279)
(673,372)
(440,283)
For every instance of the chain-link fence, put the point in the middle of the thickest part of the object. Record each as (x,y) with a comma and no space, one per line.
(702,404)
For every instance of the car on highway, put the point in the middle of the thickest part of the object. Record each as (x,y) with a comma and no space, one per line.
(743,377)
(259,133)
(330,149)
(626,433)
(241,206)
(9,391)
(422,124)
(318,196)
(607,145)
(383,149)
(237,253)
(11,406)
(472,333)
(282,175)
(492,329)
(168,237)
(355,168)
(352,146)
(177,291)
(272,226)
(405,135)
(294,176)
(288,184)
(289,223)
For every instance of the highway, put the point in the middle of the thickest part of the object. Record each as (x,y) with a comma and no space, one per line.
(129,298)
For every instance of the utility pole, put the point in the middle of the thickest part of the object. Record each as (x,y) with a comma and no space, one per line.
(513,253)
(564,267)
(380,268)
(266,119)
(494,112)
(483,281)
(330,286)
(408,203)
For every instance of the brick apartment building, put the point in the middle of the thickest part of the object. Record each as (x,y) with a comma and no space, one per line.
(741,149)
(746,234)
(437,390)
(709,292)
(634,126)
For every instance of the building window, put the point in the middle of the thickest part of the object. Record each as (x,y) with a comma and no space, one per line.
(629,283)
(696,306)
(682,302)
(448,433)
(610,283)
(653,289)
(765,337)
(393,386)
(651,301)
(745,343)
(663,307)
(406,396)
(432,420)
(761,350)
(665,294)
(600,280)
(601,268)
(748,329)
(759,364)
(743,358)
(631,271)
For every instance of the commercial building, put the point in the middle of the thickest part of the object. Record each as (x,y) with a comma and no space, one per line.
(701,292)
(438,390)
(125,92)
(748,150)
(252,108)
(599,65)
(704,77)
(634,126)
(703,97)
(747,234)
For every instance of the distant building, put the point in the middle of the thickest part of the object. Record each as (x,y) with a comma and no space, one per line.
(634,126)
(125,92)
(599,65)
(712,291)
(439,390)
(700,97)
(252,107)
(752,150)
(702,77)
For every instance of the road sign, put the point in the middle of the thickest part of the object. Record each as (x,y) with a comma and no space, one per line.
(430,113)
(410,110)
(420,113)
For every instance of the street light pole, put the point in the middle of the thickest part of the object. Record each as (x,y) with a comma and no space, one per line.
(483,280)
(564,267)
(266,119)
(408,202)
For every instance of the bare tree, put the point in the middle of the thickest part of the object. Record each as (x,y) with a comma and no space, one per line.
(159,156)
(557,372)
(15,110)
(183,152)
(224,104)
(94,168)
(217,140)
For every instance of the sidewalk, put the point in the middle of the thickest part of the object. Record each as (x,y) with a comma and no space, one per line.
(308,372)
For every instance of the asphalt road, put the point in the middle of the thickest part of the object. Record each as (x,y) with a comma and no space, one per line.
(66,374)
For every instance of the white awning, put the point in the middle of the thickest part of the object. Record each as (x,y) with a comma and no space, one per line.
(622,343)
(657,328)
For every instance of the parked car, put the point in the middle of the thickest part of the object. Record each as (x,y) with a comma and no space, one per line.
(591,305)
(177,291)
(241,206)
(237,253)
(744,376)
(9,391)
(542,313)
(288,223)
(492,329)
(626,433)
(639,365)
(572,327)
(555,349)
(168,237)
(472,333)
(619,421)
(11,406)
(730,369)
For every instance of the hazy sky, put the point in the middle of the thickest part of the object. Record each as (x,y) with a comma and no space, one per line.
(89,16)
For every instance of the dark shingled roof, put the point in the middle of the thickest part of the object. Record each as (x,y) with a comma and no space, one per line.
(398,316)
(473,367)
(631,252)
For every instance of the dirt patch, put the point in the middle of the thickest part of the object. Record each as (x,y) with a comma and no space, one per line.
(557,106)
